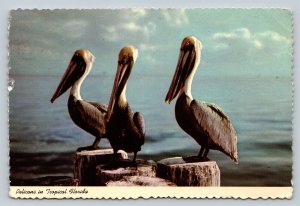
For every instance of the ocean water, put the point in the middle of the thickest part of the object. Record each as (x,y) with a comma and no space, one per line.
(43,137)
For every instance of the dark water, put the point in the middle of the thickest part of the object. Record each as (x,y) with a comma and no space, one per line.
(43,137)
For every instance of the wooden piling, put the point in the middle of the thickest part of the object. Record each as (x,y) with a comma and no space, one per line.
(185,173)
(85,164)
(93,168)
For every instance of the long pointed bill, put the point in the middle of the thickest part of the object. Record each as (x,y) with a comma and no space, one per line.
(122,75)
(185,65)
(73,72)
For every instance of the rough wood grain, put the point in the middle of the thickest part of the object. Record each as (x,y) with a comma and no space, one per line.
(185,173)
(106,175)
(146,168)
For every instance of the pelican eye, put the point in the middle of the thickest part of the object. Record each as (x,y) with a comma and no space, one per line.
(187,47)
(126,59)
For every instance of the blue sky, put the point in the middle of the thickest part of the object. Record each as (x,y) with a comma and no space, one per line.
(236,42)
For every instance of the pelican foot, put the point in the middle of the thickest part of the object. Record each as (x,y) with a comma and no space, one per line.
(191,159)
(87,148)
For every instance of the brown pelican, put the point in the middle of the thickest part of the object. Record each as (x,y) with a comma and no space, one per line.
(206,123)
(125,129)
(89,116)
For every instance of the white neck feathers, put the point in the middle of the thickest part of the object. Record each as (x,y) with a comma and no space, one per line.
(75,90)
(187,88)
(122,99)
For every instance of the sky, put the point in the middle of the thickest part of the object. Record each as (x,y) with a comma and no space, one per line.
(236,42)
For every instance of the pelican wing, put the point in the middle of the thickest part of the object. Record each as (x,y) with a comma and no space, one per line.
(140,124)
(88,117)
(101,107)
(213,120)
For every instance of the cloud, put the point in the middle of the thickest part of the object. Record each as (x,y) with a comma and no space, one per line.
(135,27)
(118,32)
(128,24)
(125,32)
(242,51)
(150,59)
(175,18)
(46,35)
(145,29)
(75,29)
(241,48)
(274,36)
(148,47)
(137,13)
(111,34)
(48,38)
(244,38)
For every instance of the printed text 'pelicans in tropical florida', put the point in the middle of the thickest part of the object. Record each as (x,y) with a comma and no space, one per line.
(125,129)
(205,122)
(90,116)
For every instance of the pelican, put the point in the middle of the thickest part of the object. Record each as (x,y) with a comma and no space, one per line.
(206,123)
(89,116)
(125,129)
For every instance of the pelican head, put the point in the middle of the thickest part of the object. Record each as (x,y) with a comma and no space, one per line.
(126,60)
(79,66)
(188,61)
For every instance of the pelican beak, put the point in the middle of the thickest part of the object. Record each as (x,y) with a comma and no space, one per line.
(74,71)
(185,65)
(125,65)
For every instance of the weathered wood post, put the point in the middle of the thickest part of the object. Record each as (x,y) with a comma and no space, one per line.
(85,164)
(92,168)
(185,173)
